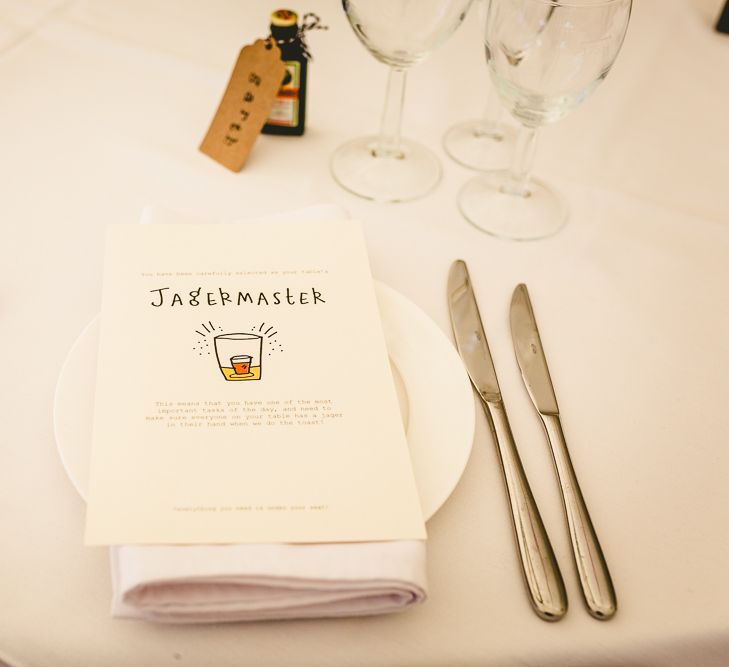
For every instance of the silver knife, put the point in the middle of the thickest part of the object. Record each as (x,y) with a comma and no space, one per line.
(597,587)
(539,565)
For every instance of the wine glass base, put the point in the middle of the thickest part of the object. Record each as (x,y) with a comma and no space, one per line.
(475,145)
(409,174)
(488,204)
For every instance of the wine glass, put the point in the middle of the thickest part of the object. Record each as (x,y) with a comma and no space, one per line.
(486,142)
(545,57)
(399,33)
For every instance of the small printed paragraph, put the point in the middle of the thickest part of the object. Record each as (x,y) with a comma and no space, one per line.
(247,414)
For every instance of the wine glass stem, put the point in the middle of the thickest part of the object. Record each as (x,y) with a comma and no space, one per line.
(388,144)
(490,126)
(521,166)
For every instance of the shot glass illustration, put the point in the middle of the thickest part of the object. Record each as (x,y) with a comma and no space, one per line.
(239,356)
(242,364)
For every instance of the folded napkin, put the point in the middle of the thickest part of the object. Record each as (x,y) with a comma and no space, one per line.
(249,582)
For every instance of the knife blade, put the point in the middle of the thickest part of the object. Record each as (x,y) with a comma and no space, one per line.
(595,581)
(538,564)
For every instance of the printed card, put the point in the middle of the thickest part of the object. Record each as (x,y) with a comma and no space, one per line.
(244,392)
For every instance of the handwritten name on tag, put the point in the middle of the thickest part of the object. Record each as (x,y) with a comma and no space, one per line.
(246,103)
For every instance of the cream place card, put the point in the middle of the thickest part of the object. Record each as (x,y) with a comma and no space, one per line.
(244,392)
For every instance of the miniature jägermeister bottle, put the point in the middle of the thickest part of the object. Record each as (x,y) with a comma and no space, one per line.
(289,109)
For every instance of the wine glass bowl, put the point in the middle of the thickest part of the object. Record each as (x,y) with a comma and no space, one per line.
(402,34)
(545,57)
(547,63)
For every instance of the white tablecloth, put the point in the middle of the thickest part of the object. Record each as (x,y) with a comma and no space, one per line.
(102,106)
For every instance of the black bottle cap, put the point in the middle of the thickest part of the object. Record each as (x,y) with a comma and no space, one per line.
(722,25)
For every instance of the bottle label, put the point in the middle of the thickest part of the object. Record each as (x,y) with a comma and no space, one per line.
(285,111)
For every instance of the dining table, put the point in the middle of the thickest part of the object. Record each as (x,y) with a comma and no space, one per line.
(103,105)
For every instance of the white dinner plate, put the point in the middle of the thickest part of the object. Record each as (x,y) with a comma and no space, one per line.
(435,395)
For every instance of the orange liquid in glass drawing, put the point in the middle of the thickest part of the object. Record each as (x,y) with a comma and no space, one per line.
(241,366)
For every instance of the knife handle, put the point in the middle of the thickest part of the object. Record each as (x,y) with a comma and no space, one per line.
(539,565)
(597,586)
